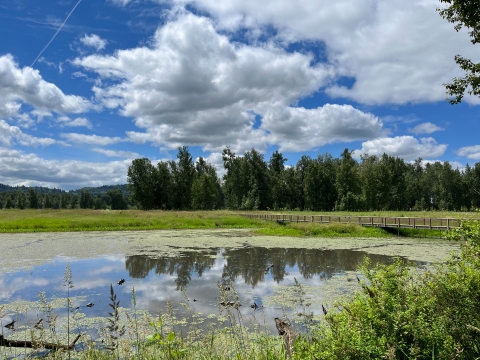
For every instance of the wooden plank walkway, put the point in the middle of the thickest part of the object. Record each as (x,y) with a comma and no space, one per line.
(372,221)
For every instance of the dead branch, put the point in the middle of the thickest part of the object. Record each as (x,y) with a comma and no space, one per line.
(30,344)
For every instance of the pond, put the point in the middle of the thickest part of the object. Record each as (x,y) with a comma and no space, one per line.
(194,267)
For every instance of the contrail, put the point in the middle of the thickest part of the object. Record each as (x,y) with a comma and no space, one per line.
(60,28)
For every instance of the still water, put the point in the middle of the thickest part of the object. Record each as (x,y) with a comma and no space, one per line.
(193,276)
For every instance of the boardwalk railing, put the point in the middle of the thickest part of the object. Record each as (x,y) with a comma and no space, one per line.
(376,221)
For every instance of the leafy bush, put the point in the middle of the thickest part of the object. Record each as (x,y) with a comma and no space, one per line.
(406,313)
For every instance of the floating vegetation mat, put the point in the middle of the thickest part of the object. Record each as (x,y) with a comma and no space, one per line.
(31,249)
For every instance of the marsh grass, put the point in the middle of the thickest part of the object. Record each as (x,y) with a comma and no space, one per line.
(28,220)
(321,230)
(107,220)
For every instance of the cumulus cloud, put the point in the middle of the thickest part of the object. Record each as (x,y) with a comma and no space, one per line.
(194,86)
(94,41)
(470,152)
(25,85)
(396,51)
(19,168)
(406,147)
(425,128)
(117,153)
(90,139)
(13,134)
(300,129)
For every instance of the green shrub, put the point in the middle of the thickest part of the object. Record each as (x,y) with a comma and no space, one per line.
(406,313)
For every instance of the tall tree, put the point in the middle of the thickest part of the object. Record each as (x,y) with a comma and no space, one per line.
(21,200)
(348,184)
(33,199)
(184,176)
(276,168)
(320,178)
(140,178)
(206,190)
(163,185)
(235,183)
(86,200)
(63,201)
(301,171)
(464,13)
(47,202)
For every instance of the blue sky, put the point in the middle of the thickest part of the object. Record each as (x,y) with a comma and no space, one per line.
(137,78)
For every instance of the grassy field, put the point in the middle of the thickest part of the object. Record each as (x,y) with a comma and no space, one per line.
(107,220)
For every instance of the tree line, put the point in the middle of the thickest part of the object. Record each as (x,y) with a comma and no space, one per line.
(29,198)
(250,182)
(323,183)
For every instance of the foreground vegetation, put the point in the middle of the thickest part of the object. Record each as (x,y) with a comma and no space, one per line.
(403,314)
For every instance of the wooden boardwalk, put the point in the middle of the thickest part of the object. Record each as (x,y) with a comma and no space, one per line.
(445,224)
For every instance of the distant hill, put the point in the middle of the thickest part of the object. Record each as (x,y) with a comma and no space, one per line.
(102,189)
(39,189)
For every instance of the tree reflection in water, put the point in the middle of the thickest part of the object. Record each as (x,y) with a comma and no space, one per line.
(250,263)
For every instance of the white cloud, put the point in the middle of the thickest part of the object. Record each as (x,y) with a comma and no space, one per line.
(406,147)
(121,3)
(470,152)
(193,86)
(13,134)
(299,129)
(454,164)
(77,122)
(425,128)
(19,168)
(91,139)
(397,51)
(94,41)
(117,153)
(25,85)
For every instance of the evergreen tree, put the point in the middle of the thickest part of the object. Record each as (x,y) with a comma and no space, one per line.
(21,200)
(86,200)
(276,169)
(8,202)
(184,177)
(63,201)
(47,202)
(33,199)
